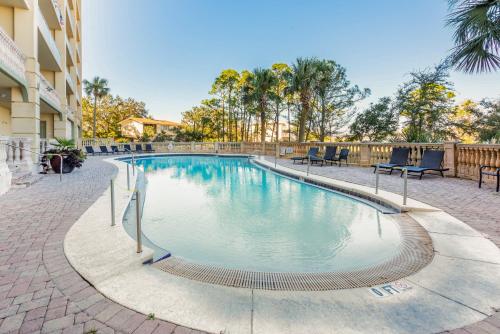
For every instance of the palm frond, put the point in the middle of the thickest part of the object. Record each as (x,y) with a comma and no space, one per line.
(477,35)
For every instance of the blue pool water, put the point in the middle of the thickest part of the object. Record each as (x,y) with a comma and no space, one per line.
(231,213)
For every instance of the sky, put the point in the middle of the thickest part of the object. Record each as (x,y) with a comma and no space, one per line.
(167,53)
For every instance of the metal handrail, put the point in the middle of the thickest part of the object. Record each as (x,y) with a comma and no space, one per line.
(133,160)
(41,155)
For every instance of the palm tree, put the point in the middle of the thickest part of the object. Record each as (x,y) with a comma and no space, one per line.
(477,35)
(97,88)
(302,82)
(262,84)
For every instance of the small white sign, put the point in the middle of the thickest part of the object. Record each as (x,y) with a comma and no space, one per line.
(389,289)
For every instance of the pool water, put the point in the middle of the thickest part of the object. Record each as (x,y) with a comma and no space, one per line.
(231,213)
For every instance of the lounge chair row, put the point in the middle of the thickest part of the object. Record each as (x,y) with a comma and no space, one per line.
(115,150)
(432,160)
(330,156)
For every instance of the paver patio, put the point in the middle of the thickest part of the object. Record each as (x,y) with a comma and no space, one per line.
(41,293)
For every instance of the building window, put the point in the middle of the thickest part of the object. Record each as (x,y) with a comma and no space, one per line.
(72,129)
(43,129)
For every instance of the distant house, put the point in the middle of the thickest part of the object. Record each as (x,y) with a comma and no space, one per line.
(134,127)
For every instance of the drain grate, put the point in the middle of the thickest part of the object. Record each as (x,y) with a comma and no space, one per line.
(415,253)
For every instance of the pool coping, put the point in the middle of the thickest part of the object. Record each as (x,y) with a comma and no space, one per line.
(105,256)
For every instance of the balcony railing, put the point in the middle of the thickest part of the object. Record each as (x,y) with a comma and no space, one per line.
(71,20)
(11,58)
(70,82)
(52,13)
(49,94)
(70,113)
(47,36)
(71,52)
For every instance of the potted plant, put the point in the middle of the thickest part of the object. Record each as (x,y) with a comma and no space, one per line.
(72,157)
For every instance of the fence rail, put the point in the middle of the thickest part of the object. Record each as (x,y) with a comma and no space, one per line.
(463,160)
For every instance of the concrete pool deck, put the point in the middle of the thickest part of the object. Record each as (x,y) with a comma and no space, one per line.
(461,285)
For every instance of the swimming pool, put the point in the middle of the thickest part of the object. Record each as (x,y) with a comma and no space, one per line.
(228,212)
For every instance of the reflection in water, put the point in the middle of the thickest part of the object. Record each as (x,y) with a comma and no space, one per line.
(228,212)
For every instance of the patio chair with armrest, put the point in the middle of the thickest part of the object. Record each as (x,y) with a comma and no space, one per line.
(399,158)
(104,149)
(343,155)
(432,160)
(313,151)
(116,150)
(330,153)
(494,171)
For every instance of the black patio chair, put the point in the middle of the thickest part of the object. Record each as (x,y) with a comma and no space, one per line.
(344,153)
(313,151)
(104,149)
(90,150)
(432,160)
(127,148)
(399,158)
(149,148)
(116,150)
(330,153)
(491,172)
(138,148)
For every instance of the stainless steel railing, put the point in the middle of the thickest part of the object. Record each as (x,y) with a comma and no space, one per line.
(405,182)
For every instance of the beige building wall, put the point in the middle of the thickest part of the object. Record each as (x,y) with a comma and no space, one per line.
(40,68)
(4,121)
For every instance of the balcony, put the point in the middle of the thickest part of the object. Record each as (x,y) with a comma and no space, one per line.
(70,54)
(49,96)
(70,26)
(78,55)
(12,69)
(70,113)
(70,84)
(48,53)
(15,3)
(52,13)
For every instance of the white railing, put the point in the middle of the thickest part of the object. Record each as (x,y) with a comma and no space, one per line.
(18,156)
(70,81)
(71,51)
(59,12)
(71,22)
(45,31)
(11,56)
(49,94)
(70,113)
(5,173)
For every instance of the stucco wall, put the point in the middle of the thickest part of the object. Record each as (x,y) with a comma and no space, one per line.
(5,122)
(7,20)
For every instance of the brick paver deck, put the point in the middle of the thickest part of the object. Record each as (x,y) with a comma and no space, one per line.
(479,208)
(39,290)
(41,293)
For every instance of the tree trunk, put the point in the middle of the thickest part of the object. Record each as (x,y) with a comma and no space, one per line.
(262,126)
(223,119)
(322,127)
(277,122)
(95,115)
(304,113)
(302,124)
(289,124)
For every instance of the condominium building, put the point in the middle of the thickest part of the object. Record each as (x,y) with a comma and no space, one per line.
(40,75)
(135,127)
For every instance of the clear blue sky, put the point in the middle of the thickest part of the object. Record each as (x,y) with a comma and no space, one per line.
(167,52)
